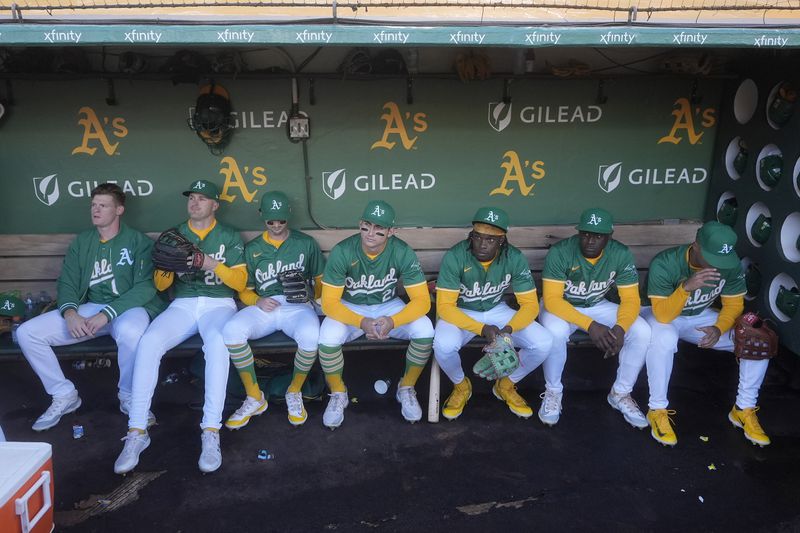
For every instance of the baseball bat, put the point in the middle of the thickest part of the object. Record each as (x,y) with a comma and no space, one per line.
(433,393)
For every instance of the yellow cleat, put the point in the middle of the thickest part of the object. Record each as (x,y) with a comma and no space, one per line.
(457,400)
(748,421)
(661,426)
(504,389)
(250,408)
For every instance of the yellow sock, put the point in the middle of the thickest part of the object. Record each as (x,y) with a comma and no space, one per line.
(137,430)
(335,383)
(215,430)
(297,382)
(411,376)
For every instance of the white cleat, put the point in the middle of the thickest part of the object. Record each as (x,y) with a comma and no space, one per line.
(135,444)
(550,410)
(629,409)
(334,412)
(250,408)
(211,455)
(410,409)
(59,407)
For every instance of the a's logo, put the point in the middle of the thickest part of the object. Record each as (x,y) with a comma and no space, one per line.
(514,174)
(124,257)
(46,189)
(199,185)
(334,184)
(93,130)
(684,122)
(726,249)
(378,212)
(276,205)
(499,115)
(235,179)
(7,305)
(609,176)
(595,220)
(492,217)
(395,125)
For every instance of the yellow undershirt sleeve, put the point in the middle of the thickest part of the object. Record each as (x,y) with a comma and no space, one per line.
(318,287)
(732,307)
(447,310)
(528,310)
(162,279)
(668,309)
(234,277)
(248,296)
(555,303)
(333,307)
(418,305)
(629,305)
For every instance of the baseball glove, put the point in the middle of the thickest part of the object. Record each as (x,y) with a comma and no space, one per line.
(173,252)
(753,338)
(295,287)
(500,359)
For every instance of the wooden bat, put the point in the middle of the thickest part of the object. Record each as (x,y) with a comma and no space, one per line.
(433,393)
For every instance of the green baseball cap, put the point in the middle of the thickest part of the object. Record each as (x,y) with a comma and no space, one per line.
(494,216)
(204,187)
(771,167)
(380,213)
(596,220)
(717,244)
(275,206)
(11,306)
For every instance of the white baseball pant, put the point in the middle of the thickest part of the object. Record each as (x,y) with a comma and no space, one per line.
(631,357)
(664,344)
(37,335)
(298,321)
(534,342)
(335,333)
(183,318)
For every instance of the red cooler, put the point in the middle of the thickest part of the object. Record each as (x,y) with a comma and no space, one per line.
(26,487)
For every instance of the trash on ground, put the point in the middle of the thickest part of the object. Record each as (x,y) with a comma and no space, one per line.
(171,378)
(712,466)
(353,400)
(382,386)
(79,365)
(77,431)
(703,438)
(264,455)
(701,499)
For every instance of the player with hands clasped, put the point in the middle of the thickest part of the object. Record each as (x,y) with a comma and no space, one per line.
(105,288)
(204,289)
(359,297)
(682,284)
(578,273)
(279,261)
(473,276)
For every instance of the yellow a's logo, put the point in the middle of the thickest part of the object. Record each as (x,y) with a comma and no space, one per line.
(684,122)
(93,130)
(395,125)
(235,179)
(514,174)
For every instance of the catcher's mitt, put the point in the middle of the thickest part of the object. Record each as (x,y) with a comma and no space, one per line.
(173,252)
(753,338)
(500,359)
(295,287)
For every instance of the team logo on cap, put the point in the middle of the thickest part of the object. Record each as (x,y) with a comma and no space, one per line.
(199,185)
(378,212)
(595,220)
(491,217)
(726,249)
(7,306)
(276,205)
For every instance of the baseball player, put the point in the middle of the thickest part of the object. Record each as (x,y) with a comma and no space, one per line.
(104,286)
(578,273)
(359,296)
(682,284)
(203,303)
(279,249)
(473,276)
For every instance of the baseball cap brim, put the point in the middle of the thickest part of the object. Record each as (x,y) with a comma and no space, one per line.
(719,260)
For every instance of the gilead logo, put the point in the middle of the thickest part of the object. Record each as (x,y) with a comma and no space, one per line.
(334,183)
(609,177)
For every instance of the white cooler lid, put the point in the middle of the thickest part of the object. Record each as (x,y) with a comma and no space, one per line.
(18,462)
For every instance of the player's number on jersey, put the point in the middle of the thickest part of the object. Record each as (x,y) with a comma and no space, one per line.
(387,295)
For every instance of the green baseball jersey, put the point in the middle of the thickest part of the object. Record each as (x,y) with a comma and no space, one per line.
(265,262)
(671,267)
(479,289)
(224,244)
(371,281)
(118,273)
(586,284)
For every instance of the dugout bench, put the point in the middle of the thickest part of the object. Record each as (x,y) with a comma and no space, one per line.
(32,263)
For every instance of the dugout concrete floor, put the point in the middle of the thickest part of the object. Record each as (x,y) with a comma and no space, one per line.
(487,471)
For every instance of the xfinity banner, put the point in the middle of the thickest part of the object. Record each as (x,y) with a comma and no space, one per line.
(553,149)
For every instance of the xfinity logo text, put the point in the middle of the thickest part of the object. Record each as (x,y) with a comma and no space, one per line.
(537,37)
(689,38)
(771,41)
(617,38)
(229,36)
(335,183)
(470,38)
(313,36)
(54,36)
(609,177)
(390,37)
(151,36)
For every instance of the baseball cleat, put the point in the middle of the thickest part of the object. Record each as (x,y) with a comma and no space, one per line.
(661,425)
(410,408)
(125,409)
(334,412)
(629,409)
(210,454)
(747,420)
(458,399)
(59,407)
(550,410)
(250,408)
(505,390)
(294,406)
(135,443)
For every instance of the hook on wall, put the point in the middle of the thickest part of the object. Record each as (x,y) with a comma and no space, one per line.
(409,90)
(111,98)
(507,91)
(695,98)
(312,95)
(601,95)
